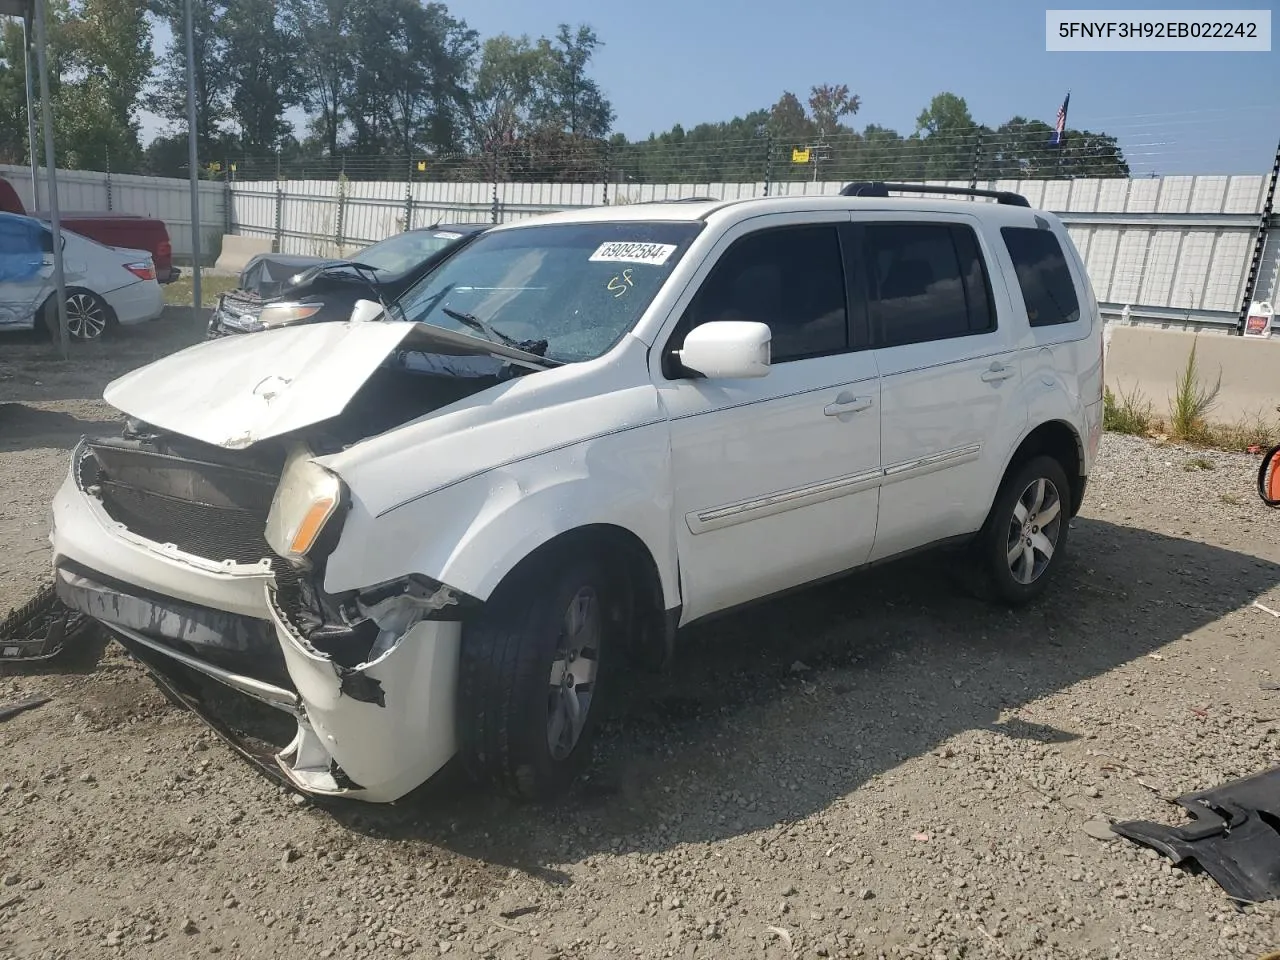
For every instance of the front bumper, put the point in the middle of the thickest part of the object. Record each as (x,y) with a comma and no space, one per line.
(373,731)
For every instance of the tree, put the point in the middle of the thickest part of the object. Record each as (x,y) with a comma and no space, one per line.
(408,69)
(570,100)
(13,95)
(107,62)
(1023,149)
(319,29)
(212,81)
(829,103)
(512,72)
(788,122)
(950,137)
(262,69)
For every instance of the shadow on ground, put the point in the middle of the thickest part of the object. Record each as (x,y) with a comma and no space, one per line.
(23,427)
(31,368)
(896,661)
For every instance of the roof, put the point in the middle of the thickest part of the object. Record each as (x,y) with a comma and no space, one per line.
(741,209)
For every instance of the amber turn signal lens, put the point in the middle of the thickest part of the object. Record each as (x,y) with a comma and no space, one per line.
(312,524)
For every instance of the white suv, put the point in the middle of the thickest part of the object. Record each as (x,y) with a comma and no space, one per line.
(447,531)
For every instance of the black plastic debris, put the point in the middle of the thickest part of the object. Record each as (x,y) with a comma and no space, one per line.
(8,710)
(1234,836)
(40,629)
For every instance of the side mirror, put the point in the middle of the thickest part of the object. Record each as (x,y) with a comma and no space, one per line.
(727,350)
(365,310)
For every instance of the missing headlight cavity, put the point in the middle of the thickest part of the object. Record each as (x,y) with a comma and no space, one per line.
(355,630)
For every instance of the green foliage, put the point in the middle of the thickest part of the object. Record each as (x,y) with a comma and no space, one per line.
(383,81)
(212,81)
(1130,413)
(1191,402)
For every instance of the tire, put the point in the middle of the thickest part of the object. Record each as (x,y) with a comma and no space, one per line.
(1014,576)
(509,713)
(88,316)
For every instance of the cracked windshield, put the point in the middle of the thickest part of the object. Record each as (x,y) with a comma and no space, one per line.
(566,292)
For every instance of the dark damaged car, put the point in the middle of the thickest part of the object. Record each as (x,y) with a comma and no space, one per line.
(283,289)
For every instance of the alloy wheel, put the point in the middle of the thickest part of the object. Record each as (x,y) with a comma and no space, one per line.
(86,317)
(573,672)
(1034,530)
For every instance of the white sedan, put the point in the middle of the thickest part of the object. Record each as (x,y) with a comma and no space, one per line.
(105,285)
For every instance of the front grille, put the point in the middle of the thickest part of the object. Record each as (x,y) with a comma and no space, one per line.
(204,509)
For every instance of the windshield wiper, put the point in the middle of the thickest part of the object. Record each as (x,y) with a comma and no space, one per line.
(370,281)
(536,347)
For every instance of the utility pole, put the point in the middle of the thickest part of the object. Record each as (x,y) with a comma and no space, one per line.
(31,113)
(192,169)
(51,171)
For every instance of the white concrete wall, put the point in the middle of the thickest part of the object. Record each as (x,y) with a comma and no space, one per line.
(1170,243)
(1151,361)
(159,197)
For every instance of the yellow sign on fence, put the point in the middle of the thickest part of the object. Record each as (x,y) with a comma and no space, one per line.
(800,156)
(422,165)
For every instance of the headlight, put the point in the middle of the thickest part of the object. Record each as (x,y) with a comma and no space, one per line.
(306,499)
(280,314)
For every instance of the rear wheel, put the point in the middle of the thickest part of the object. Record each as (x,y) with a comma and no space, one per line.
(87,315)
(1023,543)
(530,678)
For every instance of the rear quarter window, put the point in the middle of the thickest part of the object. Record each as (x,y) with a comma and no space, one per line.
(1043,276)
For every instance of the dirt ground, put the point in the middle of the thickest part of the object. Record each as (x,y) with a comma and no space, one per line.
(881,767)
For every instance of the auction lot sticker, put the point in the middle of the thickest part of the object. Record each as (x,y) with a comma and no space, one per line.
(653,254)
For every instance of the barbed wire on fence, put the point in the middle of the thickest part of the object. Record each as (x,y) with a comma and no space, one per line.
(1137,145)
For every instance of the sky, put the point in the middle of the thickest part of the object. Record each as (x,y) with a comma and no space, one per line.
(691,61)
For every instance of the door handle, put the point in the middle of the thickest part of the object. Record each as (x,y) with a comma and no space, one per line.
(998,372)
(846,403)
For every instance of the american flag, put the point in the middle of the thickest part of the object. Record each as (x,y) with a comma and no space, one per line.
(1061,127)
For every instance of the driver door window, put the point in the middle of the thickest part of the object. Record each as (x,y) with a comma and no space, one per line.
(792,280)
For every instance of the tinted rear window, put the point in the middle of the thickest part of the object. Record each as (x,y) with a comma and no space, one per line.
(927,283)
(1042,271)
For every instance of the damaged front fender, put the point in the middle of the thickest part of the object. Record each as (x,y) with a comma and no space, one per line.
(380,728)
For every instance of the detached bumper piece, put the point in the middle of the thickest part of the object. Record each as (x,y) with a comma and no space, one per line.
(40,629)
(1235,836)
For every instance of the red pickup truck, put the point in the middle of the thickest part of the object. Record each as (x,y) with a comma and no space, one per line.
(112,229)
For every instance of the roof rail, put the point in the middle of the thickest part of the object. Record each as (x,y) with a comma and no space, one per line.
(878,188)
(685,200)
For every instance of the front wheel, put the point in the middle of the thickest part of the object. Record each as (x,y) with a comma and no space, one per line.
(530,678)
(1025,538)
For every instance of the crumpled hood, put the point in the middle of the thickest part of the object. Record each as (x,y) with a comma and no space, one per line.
(235,391)
(268,274)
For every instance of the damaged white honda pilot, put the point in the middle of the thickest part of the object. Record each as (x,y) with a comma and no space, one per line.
(445,531)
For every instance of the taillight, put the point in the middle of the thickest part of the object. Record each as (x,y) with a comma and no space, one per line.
(164,249)
(143,270)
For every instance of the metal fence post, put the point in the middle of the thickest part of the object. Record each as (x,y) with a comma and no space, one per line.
(226,197)
(1259,245)
(768,162)
(497,147)
(277,242)
(109,198)
(605,178)
(342,207)
(408,199)
(977,158)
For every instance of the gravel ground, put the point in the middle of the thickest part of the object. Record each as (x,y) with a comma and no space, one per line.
(881,767)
